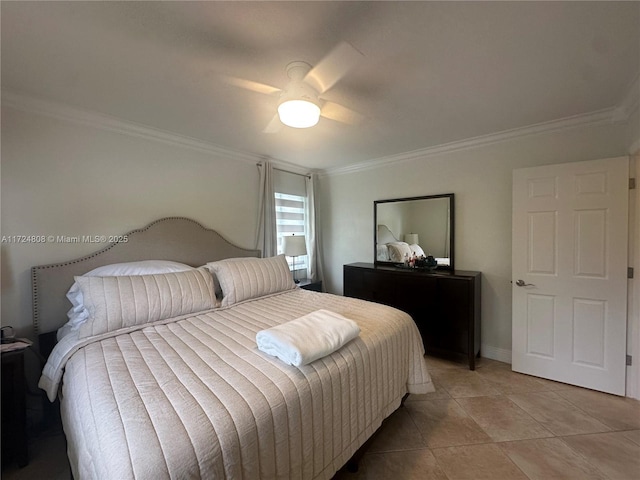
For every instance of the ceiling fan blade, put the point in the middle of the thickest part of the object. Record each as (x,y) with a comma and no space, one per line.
(333,67)
(339,113)
(251,85)
(274,126)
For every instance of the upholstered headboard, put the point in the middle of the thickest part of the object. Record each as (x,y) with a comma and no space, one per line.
(174,238)
(385,235)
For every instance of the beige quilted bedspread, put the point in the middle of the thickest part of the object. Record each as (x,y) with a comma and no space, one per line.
(195,398)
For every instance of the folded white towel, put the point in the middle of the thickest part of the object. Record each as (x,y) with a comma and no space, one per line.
(305,339)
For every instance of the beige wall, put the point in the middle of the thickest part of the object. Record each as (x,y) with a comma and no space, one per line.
(481,180)
(63,178)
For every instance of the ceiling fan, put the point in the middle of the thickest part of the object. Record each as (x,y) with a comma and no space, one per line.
(300,103)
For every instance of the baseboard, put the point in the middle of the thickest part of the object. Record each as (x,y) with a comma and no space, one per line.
(495,353)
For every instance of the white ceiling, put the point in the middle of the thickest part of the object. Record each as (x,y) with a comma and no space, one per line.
(433,72)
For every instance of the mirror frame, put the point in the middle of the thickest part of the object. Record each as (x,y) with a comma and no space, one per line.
(452,223)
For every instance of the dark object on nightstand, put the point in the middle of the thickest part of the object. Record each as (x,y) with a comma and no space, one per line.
(14,409)
(309,285)
(445,305)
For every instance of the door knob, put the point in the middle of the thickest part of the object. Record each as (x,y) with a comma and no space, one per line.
(521,283)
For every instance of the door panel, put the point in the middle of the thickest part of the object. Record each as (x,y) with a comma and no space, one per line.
(540,325)
(570,253)
(542,244)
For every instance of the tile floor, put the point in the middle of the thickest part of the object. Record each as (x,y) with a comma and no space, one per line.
(495,424)
(487,424)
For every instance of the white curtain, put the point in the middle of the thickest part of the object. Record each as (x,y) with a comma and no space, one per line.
(267,240)
(312,228)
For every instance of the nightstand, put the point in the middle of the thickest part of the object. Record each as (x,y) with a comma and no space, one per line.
(14,408)
(309,285)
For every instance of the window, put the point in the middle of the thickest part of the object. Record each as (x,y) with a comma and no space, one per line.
(290,219)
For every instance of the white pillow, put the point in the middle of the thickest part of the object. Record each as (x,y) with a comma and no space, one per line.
(245,278)
(114,303)
(78,313)
(382,252)
(398,251)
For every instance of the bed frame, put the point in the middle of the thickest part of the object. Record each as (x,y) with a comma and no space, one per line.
(172,238)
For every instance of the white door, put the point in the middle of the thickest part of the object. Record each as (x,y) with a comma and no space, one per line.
(569,262)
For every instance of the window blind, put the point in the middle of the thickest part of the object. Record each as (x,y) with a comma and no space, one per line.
(290,219)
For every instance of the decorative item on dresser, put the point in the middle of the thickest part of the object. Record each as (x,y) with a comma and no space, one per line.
(444,305)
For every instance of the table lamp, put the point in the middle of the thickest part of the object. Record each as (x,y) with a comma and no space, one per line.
(294,246)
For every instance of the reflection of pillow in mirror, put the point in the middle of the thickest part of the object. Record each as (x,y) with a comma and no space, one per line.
(398,251)
(415,248)
(382,253)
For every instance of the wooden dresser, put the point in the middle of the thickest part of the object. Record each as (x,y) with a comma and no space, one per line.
(444,305)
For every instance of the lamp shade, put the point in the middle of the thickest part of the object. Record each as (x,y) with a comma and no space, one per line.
(294,246)
(298,106)
(411,238)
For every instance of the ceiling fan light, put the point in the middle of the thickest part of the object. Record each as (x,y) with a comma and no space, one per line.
(299,113)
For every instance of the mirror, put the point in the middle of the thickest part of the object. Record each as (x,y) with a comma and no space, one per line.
(424,221)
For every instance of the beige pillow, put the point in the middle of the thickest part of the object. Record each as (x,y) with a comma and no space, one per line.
(245,278)
(120,302)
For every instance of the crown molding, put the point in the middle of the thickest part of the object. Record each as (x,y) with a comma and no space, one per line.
(618,114)
(600,117)
(102,121)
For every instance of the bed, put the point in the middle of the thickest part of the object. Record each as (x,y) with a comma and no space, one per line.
(167,382)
